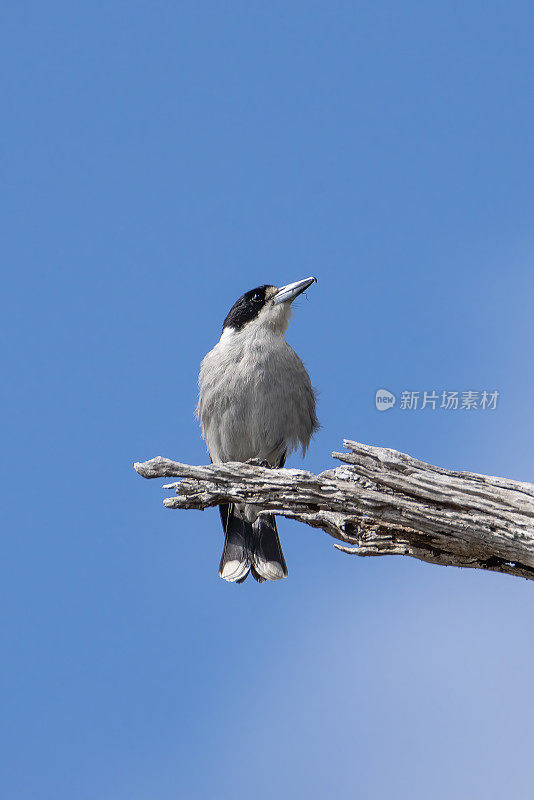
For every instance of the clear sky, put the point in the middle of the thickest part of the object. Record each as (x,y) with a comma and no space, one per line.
(159,159)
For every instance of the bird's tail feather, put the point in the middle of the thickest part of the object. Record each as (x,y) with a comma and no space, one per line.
(250,547)
(267,558)
(236,556)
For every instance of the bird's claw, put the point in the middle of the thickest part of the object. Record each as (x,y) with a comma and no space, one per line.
(259,462)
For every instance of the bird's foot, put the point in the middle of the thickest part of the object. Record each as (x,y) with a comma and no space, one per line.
(259,462)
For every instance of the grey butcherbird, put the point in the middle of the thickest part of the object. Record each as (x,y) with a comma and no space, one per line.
(256,402)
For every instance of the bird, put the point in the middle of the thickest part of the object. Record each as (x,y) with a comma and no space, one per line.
(256,402)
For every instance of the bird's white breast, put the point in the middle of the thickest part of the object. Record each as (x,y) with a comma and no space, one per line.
(256,399)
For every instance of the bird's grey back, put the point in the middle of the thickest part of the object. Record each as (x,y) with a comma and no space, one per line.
(256,398)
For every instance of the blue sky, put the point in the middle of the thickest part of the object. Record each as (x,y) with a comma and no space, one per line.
(159,159)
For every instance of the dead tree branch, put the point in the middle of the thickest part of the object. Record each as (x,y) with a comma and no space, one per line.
(378,502)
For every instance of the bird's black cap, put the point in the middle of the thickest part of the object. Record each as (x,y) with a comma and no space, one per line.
(247,307)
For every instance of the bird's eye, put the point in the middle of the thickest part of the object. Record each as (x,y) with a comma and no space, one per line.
(256,298)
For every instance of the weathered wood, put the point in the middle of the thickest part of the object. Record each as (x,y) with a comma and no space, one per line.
(378,502)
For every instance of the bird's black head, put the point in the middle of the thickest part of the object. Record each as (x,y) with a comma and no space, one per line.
(248,307)
(275,304)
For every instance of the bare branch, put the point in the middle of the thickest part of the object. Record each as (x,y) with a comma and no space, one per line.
(378,502)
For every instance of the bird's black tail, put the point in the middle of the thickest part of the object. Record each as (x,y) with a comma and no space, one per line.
(250,547)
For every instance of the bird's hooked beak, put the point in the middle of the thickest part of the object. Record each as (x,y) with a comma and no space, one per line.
(288,293)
